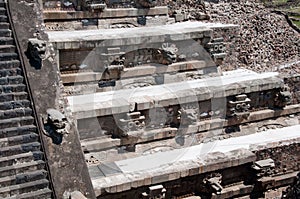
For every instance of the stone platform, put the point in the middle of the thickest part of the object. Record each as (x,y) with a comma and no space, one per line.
(171,165)
(133,36)
(121,101)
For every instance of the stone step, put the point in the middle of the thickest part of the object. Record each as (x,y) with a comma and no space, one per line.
(4,25)
(8,56)
(21,168)
(19,112)
(6,41)
(3,18)
(10,72)
(14,105)
(15,190)
(15,122)
(40,194)
(17,140)
(21,158)
(12,88)
(2,11)
(11,80)
(99,144)
(7,97)
(5,32)
(7,49)
(2,4)
(14,131)
(22,178)
(18,149)
(9,64)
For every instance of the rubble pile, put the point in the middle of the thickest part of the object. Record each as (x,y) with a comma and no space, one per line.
(193,9)
(265,41)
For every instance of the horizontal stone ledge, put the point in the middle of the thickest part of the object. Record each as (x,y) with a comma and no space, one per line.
(51,15)
(213,161)
(120,101)
(205,157)
(76,39)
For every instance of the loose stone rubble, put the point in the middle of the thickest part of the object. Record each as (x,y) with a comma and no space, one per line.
(265,41)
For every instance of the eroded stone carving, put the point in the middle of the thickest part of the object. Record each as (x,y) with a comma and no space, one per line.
(95,5)
(37,49)
(132,122)
(284,97)
(55,125)
(217,50)
(155,192)
(264,167)
(214,181)
(188,115)
(239,107)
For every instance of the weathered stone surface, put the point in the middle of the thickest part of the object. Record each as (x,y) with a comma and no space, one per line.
(46,93)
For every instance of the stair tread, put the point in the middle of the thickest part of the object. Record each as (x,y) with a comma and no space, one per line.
(20,95)
(5,38)
(21,155)
(8,54)
(9,61)
(17,109)
(11,80)
(7,46)
(32,195)
(9,88)
(13,177)
(14,104)
(21,165)
(16,118)
(19,128)
(24,185)
(19,148)
(11,141)
(10,72)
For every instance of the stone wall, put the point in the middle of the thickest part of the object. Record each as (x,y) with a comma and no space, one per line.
(66,162)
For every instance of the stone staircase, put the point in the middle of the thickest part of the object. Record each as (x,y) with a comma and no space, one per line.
(22,168)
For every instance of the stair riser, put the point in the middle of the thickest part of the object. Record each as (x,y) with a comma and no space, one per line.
(6,42)
(5,33)
(10,72)
(13,105)
(11,80)
(23,178)
(15,171)
(9,64)
(14,123)
(4,133)
(11,89)
(10,49)
(2,12)
(40,196)
(17,150)
(3,18)
(35,187)
(31,157)
(13,97)
(12,141)
(15,113)
(8,57)
(4,25)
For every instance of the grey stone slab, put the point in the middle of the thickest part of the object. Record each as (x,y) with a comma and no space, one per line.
(95,172)
(109,169)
